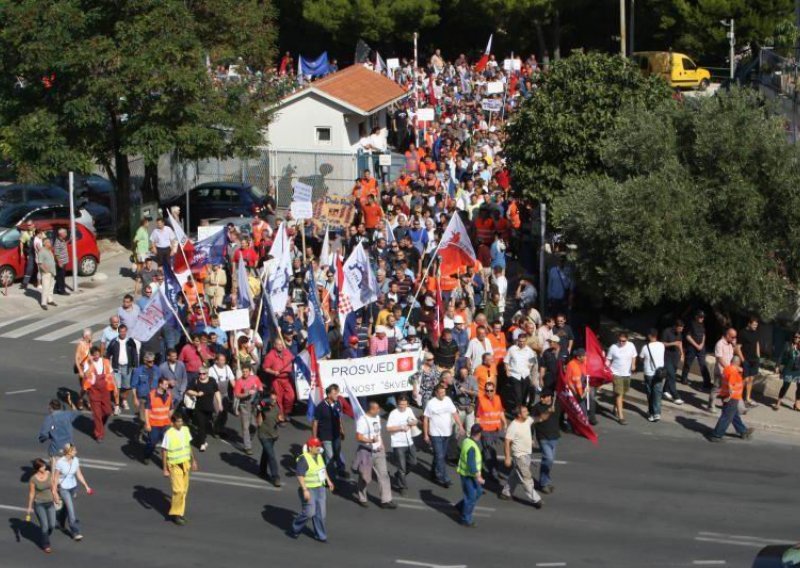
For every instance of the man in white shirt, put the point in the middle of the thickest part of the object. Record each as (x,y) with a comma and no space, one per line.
(163,239)
(401,424)
(652,356)
(622,360)
(371,457)
(478,346)
(519,360)
(438,418)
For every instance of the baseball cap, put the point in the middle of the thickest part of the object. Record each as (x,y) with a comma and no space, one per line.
(353,340)
(314,443)
(458,319)
(411,332)
(554,339)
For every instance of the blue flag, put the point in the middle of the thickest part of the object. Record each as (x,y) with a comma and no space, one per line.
(266,326)
(314,67)
(172,287)
(317,335)
(210,250)
(244,300)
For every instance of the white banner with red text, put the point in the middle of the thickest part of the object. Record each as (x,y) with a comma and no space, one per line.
(370,376)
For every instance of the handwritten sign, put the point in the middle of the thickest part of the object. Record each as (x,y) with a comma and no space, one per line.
(302,191)
(232,320)
(301,210)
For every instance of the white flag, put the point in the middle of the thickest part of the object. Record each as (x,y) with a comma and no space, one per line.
(280,273)
(360,284)
(152,317)
(176,226)
(388,232)
(325,255)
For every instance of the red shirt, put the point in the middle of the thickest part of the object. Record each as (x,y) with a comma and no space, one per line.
(279,362)
(246,384)
(249,254)
(192,359)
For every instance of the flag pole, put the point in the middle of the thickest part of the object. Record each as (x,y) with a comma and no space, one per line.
(175,314)
(188,266)
(421,280)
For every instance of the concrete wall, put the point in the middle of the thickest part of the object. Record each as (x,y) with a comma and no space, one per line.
(294,126)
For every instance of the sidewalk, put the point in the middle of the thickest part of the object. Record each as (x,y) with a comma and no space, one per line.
(762,417)
(113,278)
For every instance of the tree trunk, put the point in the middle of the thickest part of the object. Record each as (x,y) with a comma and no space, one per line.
(556,35)
(540,39)
(123,175)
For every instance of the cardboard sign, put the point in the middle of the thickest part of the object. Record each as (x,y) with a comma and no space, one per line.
(494,87)
(385,160)
(392,63)
(302,191)
(425,114)
(492,105)
(512,65)
(368,376)
(203,232)
(233,320)
(302,210)
(334,211)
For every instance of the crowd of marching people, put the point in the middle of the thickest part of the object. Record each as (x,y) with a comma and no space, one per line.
(430,265)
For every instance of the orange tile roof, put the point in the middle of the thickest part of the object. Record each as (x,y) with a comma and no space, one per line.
(359,87)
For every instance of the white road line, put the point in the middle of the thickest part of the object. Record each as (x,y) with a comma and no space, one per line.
(105,467)
(13,508)
(543,564)
(428,564)
(744,537)
(234,484)
(421,502)
(556,462)
(21,391)
(427,508)
(44,323)
(87,321)
(708,562)
(15,320)
(102,462)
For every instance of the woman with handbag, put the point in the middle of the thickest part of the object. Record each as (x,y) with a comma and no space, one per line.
(204,395)
(43,498)
(789,370)
(66,476)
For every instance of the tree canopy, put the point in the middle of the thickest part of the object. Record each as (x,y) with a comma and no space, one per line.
(99,81)
(696,201)
(559,130)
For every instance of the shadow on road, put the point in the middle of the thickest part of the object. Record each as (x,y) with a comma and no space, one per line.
(693,425)
(152,498)
(278,517)
(132,449)
(246,463)
(439,504)
(26,530)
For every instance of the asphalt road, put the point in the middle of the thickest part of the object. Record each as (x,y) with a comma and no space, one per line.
(648,495)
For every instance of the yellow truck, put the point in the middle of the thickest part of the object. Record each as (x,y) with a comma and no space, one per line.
(676,69)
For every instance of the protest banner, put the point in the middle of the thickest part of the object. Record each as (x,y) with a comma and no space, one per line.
(232,320)
(494,87)
(393,63)
(302,191)
(368,376)
(334,211)
(492,105)
(151,318)
(301,210)
(425,114)
(203,232)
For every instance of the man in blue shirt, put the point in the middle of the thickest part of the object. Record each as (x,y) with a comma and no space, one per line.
(222,335)
(57,428)
(143,380)
(559,287)
(327,426)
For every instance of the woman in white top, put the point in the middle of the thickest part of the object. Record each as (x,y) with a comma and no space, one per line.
(66,476)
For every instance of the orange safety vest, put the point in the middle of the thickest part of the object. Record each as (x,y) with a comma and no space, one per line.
(489,413)
(484,230)
(575,377)
(91,374)
(158,413)
(498,345)
(732,383)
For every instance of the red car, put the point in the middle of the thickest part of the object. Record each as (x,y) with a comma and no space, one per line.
(12,263)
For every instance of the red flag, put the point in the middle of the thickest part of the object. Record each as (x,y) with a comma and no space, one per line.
(455,249)
(480,66)
(576,414)
(181,261)
(431,92)
(596,366)
(438,323)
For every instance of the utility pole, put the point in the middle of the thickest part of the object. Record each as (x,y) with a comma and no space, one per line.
(73,234)
(731,35)
(622,35)
(542,237)
(632,26)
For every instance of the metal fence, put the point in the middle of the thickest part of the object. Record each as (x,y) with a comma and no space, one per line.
(326,173)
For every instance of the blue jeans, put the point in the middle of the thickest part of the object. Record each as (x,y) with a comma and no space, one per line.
(154,439)
(68,513)
(472,491)
(314,509)
(333,457)
(439,469)
(730,413)
(548,457)
(691,355)
(268,459)
(653,387)
(46,513)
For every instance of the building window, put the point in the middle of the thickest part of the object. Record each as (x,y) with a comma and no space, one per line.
(323,135)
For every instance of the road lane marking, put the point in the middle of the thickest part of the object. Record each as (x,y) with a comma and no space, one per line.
(88,321)
(428,564)
(105,467)
(42,324)
(266,487)
(15,320)
(20,391)
(543,564)
(421,502)
(13,508)
(102,462)
(744,537)
(708,562)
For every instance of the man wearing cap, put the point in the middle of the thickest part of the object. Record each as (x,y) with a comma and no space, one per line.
(313,479)
(469,469)
(519,453)
(460,335)
(352,351)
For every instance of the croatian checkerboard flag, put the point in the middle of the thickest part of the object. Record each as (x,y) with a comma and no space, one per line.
(305,366)
(360,284)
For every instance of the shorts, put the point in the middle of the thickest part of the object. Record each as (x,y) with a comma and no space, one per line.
(122,378)
(751,368)
(621,385)
(142,256)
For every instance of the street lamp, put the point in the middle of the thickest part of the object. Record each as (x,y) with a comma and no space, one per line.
(731,35)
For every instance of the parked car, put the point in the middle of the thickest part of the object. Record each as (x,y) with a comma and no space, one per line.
(48,195)
(218,200)
(13,215)
(100,190)
(12,265)
(676,69)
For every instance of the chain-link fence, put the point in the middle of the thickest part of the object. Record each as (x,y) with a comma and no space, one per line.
(327,173)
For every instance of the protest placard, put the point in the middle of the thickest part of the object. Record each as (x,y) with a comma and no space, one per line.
(425,114)
(370,376)
(233,320)
(302,191)
(302,210)
(494,87)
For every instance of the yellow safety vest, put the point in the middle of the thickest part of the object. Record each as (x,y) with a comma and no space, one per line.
(178,445)
(463,467)
(315,476)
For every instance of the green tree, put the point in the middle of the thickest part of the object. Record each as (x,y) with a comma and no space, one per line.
(383,21)
(558,131)
(697,201)
(100,81)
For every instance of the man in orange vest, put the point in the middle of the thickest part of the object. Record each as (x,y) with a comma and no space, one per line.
(575,375)
(492,418)
(731,395)
(158,413)
(100,386)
